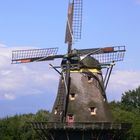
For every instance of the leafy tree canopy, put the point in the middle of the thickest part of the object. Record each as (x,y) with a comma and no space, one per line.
(131,100)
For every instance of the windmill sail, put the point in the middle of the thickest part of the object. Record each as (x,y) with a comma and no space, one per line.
(69,32)
(105,55)
(74,21)
(26,56)
(110,55)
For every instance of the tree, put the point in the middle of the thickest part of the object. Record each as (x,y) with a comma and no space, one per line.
(131,100)
(17,128)
(128,110)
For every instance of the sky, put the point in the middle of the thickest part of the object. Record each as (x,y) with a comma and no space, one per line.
(25,24)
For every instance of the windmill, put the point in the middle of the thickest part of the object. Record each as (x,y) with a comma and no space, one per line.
(80,110)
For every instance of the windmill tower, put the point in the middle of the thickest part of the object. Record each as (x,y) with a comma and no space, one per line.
(80,111)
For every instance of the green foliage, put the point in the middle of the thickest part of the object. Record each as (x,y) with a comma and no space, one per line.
(131,100)
(128,110)
(16,127)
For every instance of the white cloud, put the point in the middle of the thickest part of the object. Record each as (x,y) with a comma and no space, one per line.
(2,45)
(9,96)
(122,81)
(24,79)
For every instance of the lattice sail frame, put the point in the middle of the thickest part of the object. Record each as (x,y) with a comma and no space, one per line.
(105,55)
(74,21)
(25,56)
(77,19)
(109,55)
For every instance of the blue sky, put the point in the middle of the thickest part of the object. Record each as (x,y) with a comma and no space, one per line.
(41,24)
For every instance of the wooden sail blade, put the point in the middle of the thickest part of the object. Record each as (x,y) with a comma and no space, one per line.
(69,32)
(74,21)
(26,56)
(87,51)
